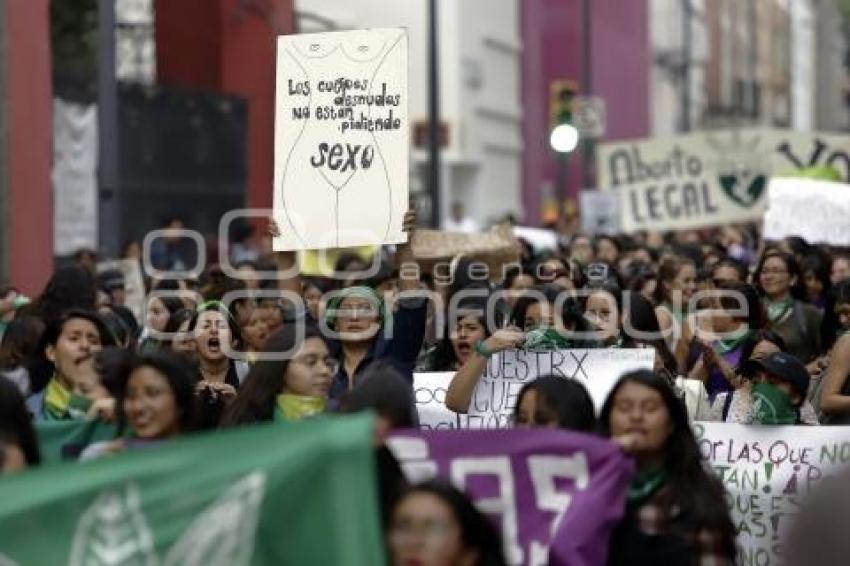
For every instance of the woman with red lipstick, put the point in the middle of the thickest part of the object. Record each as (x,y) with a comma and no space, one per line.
(289,383)
(676,510)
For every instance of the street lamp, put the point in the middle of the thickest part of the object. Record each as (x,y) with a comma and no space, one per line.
(564,137)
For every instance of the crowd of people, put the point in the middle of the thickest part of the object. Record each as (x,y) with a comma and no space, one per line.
(743,331)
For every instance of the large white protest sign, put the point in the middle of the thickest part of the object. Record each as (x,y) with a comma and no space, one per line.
(709,178)
(768,472)
(818,211)
(598,370)
(341,139)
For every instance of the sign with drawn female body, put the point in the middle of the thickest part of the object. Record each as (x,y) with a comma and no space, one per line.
(709,178)
(341,139)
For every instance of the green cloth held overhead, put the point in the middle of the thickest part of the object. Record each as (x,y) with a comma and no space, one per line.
(259,495)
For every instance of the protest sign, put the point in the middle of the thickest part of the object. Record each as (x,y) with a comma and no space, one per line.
(341,139)
(598,370)
(134,284)
(540,239)
(497,249)
(430,388)
(544,487)
(768,472)
(709,178)
(261,495)
(600,212)
(818,211)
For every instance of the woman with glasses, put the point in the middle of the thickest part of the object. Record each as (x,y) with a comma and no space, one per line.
(435,524)
(364,330)
(290,381)
(780,282)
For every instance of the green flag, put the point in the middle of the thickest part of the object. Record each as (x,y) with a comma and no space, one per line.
(302,494)
(64,440)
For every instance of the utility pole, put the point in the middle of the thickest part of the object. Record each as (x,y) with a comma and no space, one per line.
(434,115)
(587,88)
(687,40)
(109,201)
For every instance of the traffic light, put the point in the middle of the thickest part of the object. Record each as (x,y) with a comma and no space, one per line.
(561,96)
(564,135)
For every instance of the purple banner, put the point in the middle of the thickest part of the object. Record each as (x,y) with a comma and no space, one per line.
(533,484)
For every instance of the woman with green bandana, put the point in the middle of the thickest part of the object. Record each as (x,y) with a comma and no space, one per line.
(734,316)
(676,510)
(363,328)
(676,286)
(780,283)
(67,344)
(780,390)
(289,383)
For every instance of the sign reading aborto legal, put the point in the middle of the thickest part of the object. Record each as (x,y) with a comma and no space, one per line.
(341,139)
(709,178)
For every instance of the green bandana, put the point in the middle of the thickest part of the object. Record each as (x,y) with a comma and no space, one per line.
(772,406)
(645,485)
(777,310)
(294,408)
(364,292)
(544,339)
(727,345)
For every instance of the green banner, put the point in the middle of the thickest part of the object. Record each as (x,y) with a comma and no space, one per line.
(64,440)
(303,494)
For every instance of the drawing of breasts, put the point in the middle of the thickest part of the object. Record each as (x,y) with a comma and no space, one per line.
(341,178)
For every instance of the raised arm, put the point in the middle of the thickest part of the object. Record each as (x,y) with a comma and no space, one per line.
(286,262)
(464,382)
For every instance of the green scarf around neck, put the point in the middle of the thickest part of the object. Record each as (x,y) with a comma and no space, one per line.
(294,408)
(726,345)
(778,310)
(644,485)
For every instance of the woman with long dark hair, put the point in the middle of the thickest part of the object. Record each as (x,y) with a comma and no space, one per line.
(554,402)
(835,389)
(676,510)
(676,286)
(289,384)
(18,443)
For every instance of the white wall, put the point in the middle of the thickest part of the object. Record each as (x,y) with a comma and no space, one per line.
(666,33)
(479,89)
(802,65)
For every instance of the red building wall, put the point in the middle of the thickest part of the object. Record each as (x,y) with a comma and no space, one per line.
(228,46)
(29,204)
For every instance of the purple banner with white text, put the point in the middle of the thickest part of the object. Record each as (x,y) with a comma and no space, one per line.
(555,495)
